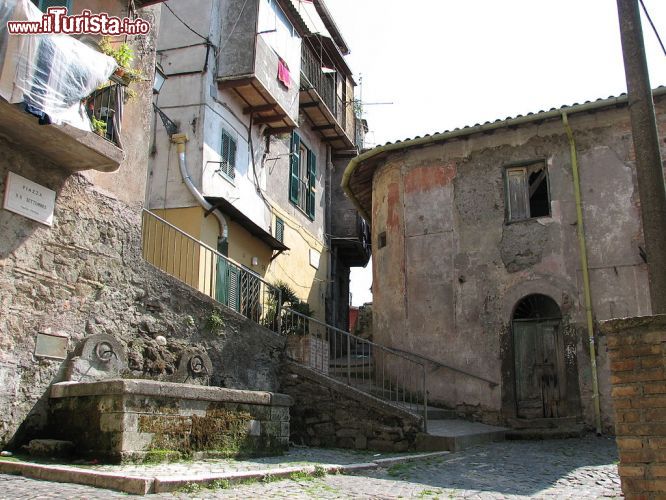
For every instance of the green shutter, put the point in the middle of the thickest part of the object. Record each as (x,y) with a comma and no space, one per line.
(228,154)
(312,177)
(45,4)
(295,162)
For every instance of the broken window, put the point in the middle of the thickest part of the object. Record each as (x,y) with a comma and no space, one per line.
(527,193)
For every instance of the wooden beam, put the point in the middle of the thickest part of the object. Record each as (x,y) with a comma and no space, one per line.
(230,84)
(260,120)
(331,139)
(259,109)
(309,105)
(279,130)
(324,127)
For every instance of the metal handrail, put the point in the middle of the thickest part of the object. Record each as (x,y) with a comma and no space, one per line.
(404,381)
(205,269)
(448,367)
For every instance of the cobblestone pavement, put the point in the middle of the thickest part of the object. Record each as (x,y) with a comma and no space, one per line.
(572,468)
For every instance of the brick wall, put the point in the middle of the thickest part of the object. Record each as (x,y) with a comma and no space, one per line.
(637,350)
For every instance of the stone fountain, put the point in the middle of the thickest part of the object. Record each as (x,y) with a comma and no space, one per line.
(118,419)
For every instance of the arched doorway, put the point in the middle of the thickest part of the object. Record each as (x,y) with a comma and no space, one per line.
(539,358)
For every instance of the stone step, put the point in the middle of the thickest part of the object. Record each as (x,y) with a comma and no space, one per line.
(542,423)
(539,434)
(456,435)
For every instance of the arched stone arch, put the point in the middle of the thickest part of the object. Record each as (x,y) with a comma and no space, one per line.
(561,292)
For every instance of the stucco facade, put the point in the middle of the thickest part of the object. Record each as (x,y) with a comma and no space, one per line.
(451,266)
(224,82)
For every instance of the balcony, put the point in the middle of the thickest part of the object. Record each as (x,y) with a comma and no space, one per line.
(249,68)
(333,117)
(45,92)
(65,145)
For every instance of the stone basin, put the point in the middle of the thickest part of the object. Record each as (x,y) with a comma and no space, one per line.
(126,420)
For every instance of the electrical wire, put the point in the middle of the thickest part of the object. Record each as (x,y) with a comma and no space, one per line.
(654,28)
(186,25)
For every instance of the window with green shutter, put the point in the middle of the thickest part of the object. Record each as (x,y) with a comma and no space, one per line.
(45,4)
(227,155)
(303,175)
(279,230)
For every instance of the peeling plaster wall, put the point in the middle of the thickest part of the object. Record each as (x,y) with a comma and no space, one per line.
(452,270)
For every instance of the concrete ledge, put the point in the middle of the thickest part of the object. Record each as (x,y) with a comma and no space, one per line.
(626,326)
(168,390)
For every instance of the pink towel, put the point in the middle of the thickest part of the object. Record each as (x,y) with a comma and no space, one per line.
(283,73)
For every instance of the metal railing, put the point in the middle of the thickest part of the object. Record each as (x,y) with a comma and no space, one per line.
(205,269)
(105,105)
(322,82)
(360,363)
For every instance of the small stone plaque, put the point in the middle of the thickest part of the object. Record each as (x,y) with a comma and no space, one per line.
(27,198)
(51,345)
(314,258)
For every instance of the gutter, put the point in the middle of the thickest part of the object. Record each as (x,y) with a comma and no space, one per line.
(585,269)
(466,131)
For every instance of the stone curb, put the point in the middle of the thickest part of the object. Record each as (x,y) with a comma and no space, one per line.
(145,485)
(107,480)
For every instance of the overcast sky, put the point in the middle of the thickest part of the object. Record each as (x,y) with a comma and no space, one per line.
(449,63)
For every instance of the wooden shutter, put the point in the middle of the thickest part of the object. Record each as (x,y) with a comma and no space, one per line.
(228,154)
(516,194)
(312,178)
(279,230)
(294,165)
(234,287)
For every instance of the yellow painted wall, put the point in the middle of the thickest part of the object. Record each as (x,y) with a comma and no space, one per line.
(180,257)
(293,266)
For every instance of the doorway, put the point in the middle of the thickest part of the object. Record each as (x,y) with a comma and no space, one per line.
(539,358)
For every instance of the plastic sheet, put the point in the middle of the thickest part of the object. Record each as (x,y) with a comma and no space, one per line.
(51,74)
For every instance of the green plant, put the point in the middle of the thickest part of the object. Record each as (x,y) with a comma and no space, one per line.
(215,321)
(319,471)
(99,126)
(301,476)
(123,54)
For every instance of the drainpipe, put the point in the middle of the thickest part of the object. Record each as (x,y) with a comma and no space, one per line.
(179,140)
(586,271)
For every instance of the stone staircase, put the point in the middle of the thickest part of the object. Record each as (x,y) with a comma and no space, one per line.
(446,431)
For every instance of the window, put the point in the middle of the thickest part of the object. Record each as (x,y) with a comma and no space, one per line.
(303,174)
(527,194)
(279,230)
(45,4)
(228,155)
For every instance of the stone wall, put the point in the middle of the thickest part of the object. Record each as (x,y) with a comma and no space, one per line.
(332,414)
(637,349)
(149,421)
(85,275)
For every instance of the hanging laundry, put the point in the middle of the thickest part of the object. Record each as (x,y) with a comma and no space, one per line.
(283,73)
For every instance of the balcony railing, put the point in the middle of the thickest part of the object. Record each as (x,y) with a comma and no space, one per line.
(105,110)
(323,83)
(205,269)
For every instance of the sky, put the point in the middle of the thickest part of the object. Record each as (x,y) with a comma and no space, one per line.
(449,63)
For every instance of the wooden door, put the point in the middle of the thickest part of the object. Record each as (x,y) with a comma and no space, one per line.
(539,368)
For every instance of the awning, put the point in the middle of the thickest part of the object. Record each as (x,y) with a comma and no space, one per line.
(232,213)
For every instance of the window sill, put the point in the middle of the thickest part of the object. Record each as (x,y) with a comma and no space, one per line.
(302,211)
(517,221)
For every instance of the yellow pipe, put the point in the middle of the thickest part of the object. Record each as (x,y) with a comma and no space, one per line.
(586,271)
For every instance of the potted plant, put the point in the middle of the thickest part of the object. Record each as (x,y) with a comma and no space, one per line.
(99,126)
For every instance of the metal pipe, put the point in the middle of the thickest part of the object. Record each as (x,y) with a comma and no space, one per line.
(586,272)
(180,140)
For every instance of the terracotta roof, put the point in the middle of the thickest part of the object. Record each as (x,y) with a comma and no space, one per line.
(357,178)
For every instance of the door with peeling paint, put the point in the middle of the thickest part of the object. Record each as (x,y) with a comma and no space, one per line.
(539,368)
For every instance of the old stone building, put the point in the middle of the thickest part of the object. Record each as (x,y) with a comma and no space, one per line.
(483,259)
(71,264)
